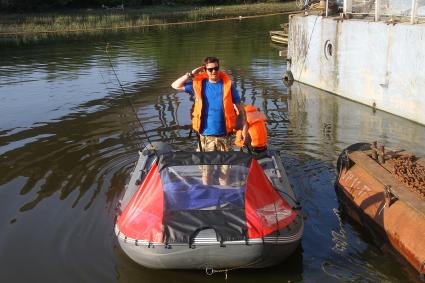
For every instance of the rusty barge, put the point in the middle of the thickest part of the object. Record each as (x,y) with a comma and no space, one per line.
(384,190)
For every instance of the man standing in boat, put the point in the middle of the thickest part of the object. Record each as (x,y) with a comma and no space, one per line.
(214,115)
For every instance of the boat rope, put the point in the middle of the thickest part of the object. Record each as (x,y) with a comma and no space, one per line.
(297,204)
(308,48)
(210,271)
(128,99)
(146,25)
(277,222)
(306,53)
(382,208)
(140,145)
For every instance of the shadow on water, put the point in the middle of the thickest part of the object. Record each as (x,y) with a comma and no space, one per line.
(68,140)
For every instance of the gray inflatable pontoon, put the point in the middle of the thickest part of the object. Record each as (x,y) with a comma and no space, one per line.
(171,218)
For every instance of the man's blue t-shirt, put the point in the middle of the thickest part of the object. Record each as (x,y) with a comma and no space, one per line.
(213,122)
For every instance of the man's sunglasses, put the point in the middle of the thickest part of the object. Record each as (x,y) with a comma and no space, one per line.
(211,69)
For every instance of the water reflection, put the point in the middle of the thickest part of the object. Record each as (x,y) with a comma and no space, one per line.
(320,126)
(337,122)
(36,85)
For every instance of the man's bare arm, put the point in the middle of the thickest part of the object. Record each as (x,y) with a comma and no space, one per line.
(179,83)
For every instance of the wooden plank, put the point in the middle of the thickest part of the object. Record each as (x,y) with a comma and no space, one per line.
(278,32)
(414,10)
(384,177)
(377,10)
(279,39)
(348,6)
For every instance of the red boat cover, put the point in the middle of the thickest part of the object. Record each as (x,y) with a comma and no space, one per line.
(142,218)
(265,210)
(173,204)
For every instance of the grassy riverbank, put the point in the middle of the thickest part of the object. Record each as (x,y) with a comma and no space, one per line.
(94,21)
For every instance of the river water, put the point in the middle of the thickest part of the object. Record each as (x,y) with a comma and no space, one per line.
(69,139)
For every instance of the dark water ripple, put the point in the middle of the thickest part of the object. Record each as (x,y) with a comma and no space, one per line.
(69,139)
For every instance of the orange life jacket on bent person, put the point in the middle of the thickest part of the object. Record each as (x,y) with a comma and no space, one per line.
(229,111)
(256,128)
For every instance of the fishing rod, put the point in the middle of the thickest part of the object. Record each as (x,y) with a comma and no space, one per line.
(129,100)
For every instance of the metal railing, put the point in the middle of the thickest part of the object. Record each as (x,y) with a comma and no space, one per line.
(402,10)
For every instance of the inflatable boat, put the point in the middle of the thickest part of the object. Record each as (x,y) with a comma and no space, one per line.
(170,218)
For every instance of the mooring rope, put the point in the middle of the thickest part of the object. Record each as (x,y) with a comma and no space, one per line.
(308,48)
(146,25)
(210,271)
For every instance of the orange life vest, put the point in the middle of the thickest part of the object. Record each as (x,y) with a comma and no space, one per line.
(229,112)
(256,128)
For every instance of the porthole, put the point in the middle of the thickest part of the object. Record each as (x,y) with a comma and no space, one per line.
(328,49)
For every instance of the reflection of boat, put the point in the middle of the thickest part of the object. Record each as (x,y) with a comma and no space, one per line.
(278,36)
(171,219)
(283,50)
(342,121)
(386,193)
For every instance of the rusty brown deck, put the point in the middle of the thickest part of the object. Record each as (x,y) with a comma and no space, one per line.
(383,173)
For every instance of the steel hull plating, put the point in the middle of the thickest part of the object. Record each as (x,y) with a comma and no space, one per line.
(360,60)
